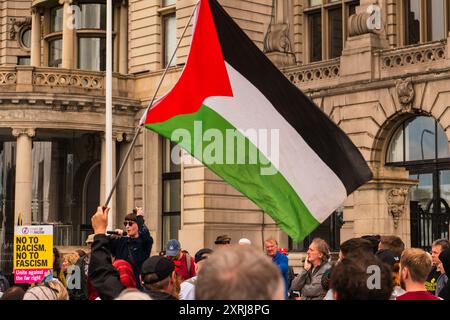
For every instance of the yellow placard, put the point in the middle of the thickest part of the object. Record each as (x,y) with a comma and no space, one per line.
(33,251)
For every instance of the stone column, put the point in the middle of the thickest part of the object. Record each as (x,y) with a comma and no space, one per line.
(123,38)
(103,190)
(35,37)
(68,35)
(24,176)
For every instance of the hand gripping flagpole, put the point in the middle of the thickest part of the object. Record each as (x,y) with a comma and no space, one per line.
(141,122)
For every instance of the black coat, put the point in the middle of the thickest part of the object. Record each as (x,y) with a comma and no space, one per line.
(104,277)
(133,250)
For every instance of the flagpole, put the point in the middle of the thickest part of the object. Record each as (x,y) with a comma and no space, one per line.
(108,121)
(141,122)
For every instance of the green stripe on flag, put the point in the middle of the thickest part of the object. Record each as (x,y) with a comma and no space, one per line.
(272,193)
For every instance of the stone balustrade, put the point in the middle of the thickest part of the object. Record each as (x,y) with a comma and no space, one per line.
(394,62)
(66,78)
(8,76)
(314,74)
(44,80)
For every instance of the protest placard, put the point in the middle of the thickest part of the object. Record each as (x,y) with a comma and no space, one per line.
(33,253)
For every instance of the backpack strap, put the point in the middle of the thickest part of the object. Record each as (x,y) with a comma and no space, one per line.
(188,262)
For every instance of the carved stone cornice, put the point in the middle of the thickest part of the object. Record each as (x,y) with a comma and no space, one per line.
(30,132)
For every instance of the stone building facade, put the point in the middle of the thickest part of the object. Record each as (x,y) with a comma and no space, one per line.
(379,69)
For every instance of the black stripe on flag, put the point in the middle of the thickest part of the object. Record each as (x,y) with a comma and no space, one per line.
(329,142)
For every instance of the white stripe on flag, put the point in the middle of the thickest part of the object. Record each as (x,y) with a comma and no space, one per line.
(316,184)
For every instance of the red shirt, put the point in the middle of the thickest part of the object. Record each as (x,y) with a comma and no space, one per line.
(183,269)
(417,295)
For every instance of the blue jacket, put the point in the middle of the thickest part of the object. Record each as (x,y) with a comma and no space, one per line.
(134,250)
(282,262)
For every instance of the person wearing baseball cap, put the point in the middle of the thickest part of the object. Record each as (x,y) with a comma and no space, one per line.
(159,278)
(222,240)
(184,263)
(187,290)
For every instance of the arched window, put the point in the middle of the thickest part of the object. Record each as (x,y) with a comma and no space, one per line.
(420,145)
(418,139)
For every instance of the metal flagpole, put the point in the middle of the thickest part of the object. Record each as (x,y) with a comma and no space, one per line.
(108,120)
(141,123)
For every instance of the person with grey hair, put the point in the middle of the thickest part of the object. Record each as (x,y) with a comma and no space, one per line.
(435,274)
(309,280)
(239,273)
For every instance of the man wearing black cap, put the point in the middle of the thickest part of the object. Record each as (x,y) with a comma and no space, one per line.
(187,290)
(157,274)
(159,278)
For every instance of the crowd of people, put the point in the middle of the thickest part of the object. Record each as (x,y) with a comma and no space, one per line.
(120,267)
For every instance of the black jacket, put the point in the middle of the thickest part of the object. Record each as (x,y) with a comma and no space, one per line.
(105,278)
(133,250)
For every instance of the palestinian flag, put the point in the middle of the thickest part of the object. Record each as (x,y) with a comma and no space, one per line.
(228,85)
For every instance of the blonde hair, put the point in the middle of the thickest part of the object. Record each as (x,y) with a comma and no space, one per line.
(71,258)
(418,262)
(59,289)
(272,240)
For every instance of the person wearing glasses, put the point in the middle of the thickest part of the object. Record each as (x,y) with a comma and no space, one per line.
(136,246)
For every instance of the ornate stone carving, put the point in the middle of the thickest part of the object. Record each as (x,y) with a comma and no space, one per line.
(277,39)
(16,25)
(277,42)
(396,199)
(16,132)
(405,93)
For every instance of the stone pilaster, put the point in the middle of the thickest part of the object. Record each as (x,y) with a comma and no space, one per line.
(380,207)
(367,34)
(24,175)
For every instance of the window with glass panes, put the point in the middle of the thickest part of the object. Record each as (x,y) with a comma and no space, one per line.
(326,27)
(424,20)
(171,191)
(91,35)
(169,32)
